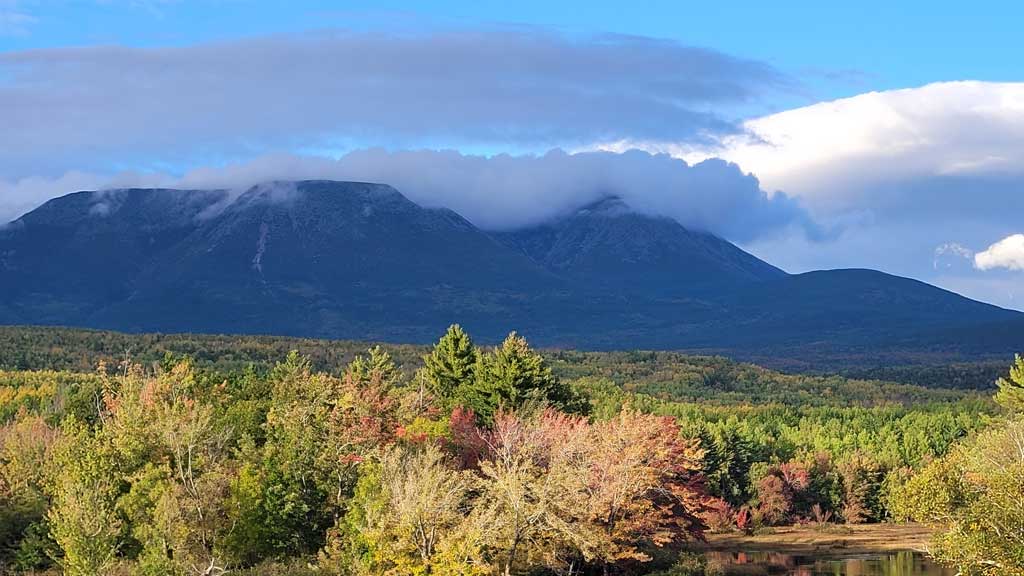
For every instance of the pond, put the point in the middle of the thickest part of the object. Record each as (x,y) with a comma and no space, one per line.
(774,563)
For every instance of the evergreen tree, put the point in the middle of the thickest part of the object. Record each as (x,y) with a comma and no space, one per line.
(1011,392)
(450,364)
(379,365)
(512,375)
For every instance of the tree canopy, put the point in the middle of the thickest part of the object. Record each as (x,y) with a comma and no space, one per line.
(497,460)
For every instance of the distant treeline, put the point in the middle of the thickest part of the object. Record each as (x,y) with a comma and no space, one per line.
(79,350)
(980,375)
(668,375)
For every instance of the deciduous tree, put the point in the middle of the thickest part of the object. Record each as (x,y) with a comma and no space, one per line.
(976,495)
(83,518)
(1011,390)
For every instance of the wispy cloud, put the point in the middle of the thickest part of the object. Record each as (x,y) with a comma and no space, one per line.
(14,21)
(949,254)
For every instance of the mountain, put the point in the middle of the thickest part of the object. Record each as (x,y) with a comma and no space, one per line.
(606,244)
(359,260)
(325,259)
(320,258)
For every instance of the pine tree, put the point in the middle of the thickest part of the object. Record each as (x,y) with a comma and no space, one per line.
(450,364)
(1011,392)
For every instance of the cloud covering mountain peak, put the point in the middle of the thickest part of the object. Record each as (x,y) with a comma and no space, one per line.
(506,192)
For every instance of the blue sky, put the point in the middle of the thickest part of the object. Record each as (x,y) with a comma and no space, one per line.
(887,135)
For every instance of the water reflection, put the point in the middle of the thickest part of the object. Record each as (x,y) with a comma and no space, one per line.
(773,563)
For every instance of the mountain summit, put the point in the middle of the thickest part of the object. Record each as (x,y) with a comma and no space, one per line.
(360,260)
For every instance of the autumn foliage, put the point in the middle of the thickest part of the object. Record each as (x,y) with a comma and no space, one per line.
(365,472)
(483,461)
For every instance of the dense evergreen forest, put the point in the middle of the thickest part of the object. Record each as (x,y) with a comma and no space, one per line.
(151,454)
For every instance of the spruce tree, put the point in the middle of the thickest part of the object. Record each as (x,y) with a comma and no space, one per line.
(451,363)
(378,364)
(516,372)
(512,375)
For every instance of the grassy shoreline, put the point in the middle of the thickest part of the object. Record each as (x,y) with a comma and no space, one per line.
(836,540)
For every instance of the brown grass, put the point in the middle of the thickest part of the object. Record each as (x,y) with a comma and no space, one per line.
(838,540)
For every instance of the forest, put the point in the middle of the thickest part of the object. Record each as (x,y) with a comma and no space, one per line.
(148,454)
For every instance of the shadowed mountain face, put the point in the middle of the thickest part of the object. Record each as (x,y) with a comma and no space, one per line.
(607,245)
(355,260)
(75,255)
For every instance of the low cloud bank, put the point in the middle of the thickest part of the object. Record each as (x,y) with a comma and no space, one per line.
(506,192)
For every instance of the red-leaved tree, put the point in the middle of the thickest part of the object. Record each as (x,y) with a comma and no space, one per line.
(567,492)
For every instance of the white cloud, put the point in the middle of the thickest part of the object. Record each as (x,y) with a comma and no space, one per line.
(904,170)
(944,128)
(71,116)
(1007,253)
(833,153)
